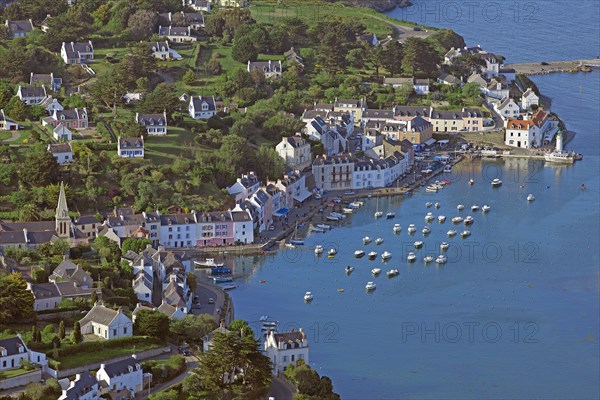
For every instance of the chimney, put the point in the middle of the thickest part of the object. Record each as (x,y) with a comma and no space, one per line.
(77,377)
(102,366)
(134,356)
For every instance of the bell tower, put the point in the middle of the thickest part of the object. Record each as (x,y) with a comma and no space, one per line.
(63,221)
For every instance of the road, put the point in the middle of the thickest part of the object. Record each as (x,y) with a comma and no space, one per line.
(190,363)
(281,389)
(404,32)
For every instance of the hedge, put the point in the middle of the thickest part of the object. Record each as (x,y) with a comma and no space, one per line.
(89,347)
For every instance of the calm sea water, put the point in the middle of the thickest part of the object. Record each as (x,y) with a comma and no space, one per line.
(514,312)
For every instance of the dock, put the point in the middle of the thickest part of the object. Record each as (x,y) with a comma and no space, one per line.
(542,68)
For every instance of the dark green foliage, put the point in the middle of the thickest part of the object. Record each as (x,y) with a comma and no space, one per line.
(76,336)
(16,302)
(151,323)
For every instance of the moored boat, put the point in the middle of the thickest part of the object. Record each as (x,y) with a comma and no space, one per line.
(457,220)
(411,228)
(444,246)
(429,217)
(359,253)
(468,220)
(427,259)
(438,204)
(332,252)
(426,230)
(386,255)
(428,204)
(376,271)
(460,207)
(411,257)
(372,255)
(367,240)
(378,241)
(397,228)
(496,182)
(370,286)
(441,259)
(349,270)
(418,244)
(471,181)
(378,214)
(208,263)
(308,297)
(390,215)
(392,272)
(530,197)
(318,249)
(474,207)
(219,279)
(324,226)
(465,233)
(486,208)
(451,233)
(441,219)
(346,210)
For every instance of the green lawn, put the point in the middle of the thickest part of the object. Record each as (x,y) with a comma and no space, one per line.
(164,149)
(75,360)
(14,372)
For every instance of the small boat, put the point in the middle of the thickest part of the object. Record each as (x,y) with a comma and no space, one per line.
(418,244)
(370,286)
(438,204)
(426,230)
(376,271)
(262,281)
(411,228)
(290,246)
(332,218)
(332,252)
(392,272)
(486,208)
(386,255)
(356,204)
(378,241)
(367,240)
(429,217)
(441,259)
(349,270)
(390,215)
(427,259)
(428,204)
(411,257)
(318,249)
(229,286)
(359,253)
(474,207)
(316,229)
(457,220)
(447,169)
(378,214)
(465,233)
(220,271)
(444,246)
(451,232)
(468,220)
(460,207)
(337,215)
(441,219)
(431,189)
(324,226)
(220,279)
(263,318)
(372,255)
(308,296)
(471,181)
(346,210)
(530,197)
(397,228)
(297,242)
(208,263)
(496,182)
(340,290)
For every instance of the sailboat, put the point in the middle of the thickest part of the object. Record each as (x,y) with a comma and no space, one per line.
(295,241)
(390,214)
(378,214)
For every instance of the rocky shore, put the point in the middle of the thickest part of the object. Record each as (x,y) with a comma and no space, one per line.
(379,5)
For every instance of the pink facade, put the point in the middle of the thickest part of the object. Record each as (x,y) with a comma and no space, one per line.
(214,233)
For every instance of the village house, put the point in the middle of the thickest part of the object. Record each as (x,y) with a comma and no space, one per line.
(62,152)
(48,80)
(67,270)
(207,340)
(106,323)
(532,132)
(51,104)
(492,65)
(125,222)
(176,299)
(45,296)
(496,90)
(155,124)
(418,130)
(271,69)
(75,119)
(529,99)
(333,172)
(351,106)
(62,134)
(448,79)
(77,53)
(472,119)
(293,57)
(198,5)
(45,24)
(202,107)
(178,231)
(286,348)
(293,189)
(83,387)
(177,34)
(31,94)
(399,83)
(19,28)
(372,173)
(421,86)
(261,201)
(121,379)
(407,113)
(509,74)
(507,108)
(295,152)
(447,120)
(7,124)
(194,20)
(232,3)
(13,351)
(162,51)
(477,79)
(130,147)
(244,187)
(88,225)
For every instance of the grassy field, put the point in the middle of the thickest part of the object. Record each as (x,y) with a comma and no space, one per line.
(176,143)
(14,372)
(75,360)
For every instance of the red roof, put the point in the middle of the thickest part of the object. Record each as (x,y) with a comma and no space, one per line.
(522,124)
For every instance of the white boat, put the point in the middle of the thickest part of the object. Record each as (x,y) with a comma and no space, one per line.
(290,246)
(324,226)
(386,255)
(349,269)
(496,182)
(370,286)
(378,214)
(332,218)
(468,220)
(355,204)
(378,241)
(367,240)
(486,208)
(457,220)
(295,241)
(359,253)
(530,197)
(208,263)
(429,217)
(465,233)
(392,272)
(474,207)
(460,207)
(316,229)
(332,252)
(447,169)
(390,215)
(411,228)
(428,204)
(411,257)
(376,271)
(372,255)
(441,219)
(451,232)
(560,157)
(438,204)
(426,230)
(441,259)
(346,210)
(471,181)
(397,228)
(431,189)
(427,259)
(318,249)
(337,215)
(418,244)
(229,286)
(444,246)
(308,296)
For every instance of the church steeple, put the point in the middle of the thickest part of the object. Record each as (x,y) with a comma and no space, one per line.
(63,221)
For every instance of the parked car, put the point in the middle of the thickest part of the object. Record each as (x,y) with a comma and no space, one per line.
(211,300)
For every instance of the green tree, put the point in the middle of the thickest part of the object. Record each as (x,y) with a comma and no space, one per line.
(136,245)
(142,24)
(162,98)
(213,67)
(241,327)
(15,109)
(192,281)
(392,57)
(39,167)
(6,94)
(16,302)
(269,163)
(243,50)
(189,77)
(420,58)
(34,333)
(61,329)
(193,327)
(151,323)
(94,298)
(28,213)
(76,336)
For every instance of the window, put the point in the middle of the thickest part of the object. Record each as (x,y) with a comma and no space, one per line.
(125,328)
(114,332)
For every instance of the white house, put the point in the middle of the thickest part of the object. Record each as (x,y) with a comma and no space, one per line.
(244,187)
(62,152)
(178,230)
(19,28)
(51,104)
(208,338)
(31,94)
(77,53)
(508,73)
(177,34)
(84,387)
(142,285)
(333,172)
(496,90)
(532,132)
(7,124)
(202,107)
(492,65)
(155,124)
(507,108)
(528,99)
(271,69)
(46,295)
(122,376)
(372,173)
(62,134)
(243,231)
(198,5)
(285,349)
(106,323)
(13,350)
(421,86)
(130,147)
(295,151)
(162,51)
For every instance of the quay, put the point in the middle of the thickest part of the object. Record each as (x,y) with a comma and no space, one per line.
(542,68)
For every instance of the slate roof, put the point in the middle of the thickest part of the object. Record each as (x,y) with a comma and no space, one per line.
(374,113)
(71,289)
(74,49)
(33,91)
(20,26)
(177,219)
(81,386)
(70,114)
(199,100)
(152,119)
(412,111)
(12,345)
(173,31)
(265,66)
(86,219)
(57,148)
(121,367)
(131,142)
(446,114)
(296,141)
(289,337)
(347,103)
(99,314)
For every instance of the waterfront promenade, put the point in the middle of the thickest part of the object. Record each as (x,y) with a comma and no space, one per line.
(542,68)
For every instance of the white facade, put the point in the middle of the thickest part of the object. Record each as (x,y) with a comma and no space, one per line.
(106,323)
(521,133)
(84,387)
(177,231)
(242,226)
(295,151)
(202,107)
(126,374)
(244,187)
(507,108)
(13,350)
(528,99)
(285,349)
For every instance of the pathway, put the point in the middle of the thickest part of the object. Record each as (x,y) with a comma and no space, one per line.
(403,32)
(540,68)
(14,136)
(191,363)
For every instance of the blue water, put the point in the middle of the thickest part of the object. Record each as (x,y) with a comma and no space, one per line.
(515,311)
